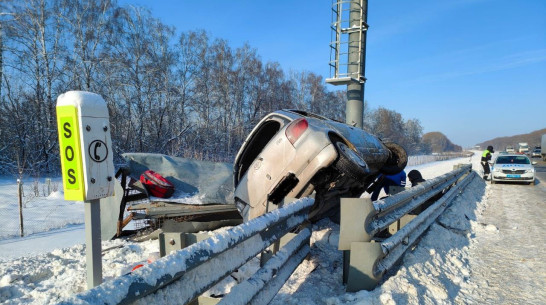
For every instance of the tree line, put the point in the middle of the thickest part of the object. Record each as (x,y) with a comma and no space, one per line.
(187,94)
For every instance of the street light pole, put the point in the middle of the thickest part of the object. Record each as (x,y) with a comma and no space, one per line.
(357,59)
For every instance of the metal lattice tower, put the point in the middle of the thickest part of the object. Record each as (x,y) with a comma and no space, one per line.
(347,50)
(348,53)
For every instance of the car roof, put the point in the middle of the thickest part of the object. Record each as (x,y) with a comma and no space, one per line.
(514,155)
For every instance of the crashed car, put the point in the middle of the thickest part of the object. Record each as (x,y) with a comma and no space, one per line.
(513,168)
(292,153)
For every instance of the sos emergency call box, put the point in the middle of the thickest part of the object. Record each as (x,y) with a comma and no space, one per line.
(85,146)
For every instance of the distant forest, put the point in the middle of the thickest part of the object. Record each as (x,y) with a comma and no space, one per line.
(186,95)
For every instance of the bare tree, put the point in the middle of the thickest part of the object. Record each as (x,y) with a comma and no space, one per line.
(34,49)
(87,23)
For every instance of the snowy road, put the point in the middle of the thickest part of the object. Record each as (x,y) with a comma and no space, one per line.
(513,262)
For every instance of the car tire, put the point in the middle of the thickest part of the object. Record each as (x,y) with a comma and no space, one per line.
(397,161)
(349,162)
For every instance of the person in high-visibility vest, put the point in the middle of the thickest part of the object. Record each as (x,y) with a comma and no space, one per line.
(486,157)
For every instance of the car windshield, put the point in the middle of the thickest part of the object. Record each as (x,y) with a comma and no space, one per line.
(512,160)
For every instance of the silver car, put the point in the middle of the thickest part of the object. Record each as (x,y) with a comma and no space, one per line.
(513,168)
(292,153)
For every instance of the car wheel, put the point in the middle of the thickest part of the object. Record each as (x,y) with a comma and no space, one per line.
(397,161)
(350,163)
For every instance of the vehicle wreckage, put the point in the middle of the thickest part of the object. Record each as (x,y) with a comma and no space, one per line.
(289,153)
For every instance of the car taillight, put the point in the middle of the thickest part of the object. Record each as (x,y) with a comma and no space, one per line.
(296,129)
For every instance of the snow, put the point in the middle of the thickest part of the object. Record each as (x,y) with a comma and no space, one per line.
(40,212)
(486,248)
(92,104)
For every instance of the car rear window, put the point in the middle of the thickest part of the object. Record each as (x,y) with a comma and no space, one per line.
(256,144)
(512,160)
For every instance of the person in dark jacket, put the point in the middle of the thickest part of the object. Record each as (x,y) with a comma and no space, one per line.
(415,177)
(385,181)
(486,157)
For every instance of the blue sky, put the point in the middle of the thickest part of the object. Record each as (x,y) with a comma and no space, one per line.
(472,69)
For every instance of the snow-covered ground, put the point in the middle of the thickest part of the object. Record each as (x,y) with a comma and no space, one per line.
(41,212)
(487,248)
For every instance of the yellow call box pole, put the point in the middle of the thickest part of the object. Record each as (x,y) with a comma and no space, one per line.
(87,165)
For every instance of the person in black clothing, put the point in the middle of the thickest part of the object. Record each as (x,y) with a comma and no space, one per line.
(486,157)
(385,181)
(415,177)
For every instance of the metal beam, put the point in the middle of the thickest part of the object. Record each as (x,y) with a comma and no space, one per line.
(262,286)
(196,268)
(395,246)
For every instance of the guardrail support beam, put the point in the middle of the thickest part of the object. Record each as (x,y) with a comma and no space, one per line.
(400,223)
(172,241)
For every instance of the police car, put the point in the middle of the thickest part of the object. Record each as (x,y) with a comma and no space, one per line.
(513,168)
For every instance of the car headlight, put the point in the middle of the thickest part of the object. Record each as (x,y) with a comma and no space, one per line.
(496,169)
(531,170)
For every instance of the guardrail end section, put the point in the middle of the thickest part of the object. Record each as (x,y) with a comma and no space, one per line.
(355,214)
(363,260)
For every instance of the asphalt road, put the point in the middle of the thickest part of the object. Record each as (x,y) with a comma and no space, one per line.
(511,260)
(540,168)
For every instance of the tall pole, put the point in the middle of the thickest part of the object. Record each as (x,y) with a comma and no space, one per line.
(357,59)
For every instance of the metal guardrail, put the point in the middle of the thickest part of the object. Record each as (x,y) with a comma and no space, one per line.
(197,266)
(202,265)
(394,207)
(361,220)
(394,246)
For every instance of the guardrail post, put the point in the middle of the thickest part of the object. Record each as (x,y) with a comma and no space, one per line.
(356,213)
(400,223)
(172,241)
(205,301)
(364,258)
(274,248)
